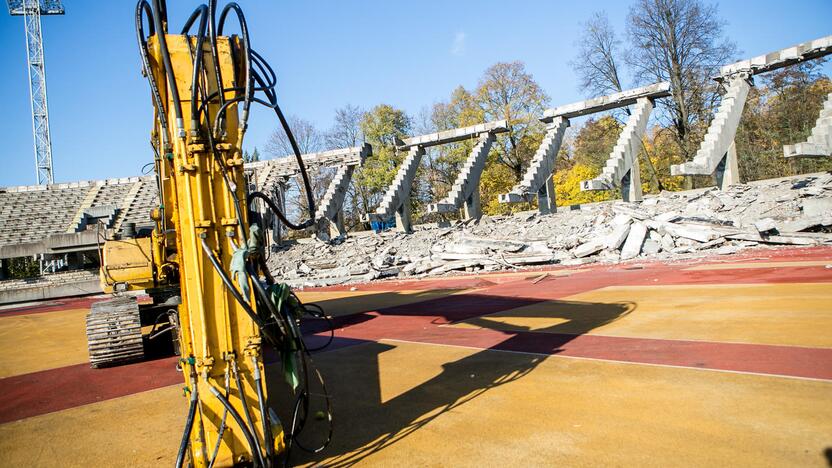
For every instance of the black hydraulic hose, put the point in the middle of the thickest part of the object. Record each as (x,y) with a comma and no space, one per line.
(163,48)
(278,213)
(189,424)
(246,411)
(231,187)
(143,7)
(202,13)
(299,424)
(264,416)
(264,298)
(307,185)
(222,423)
(241,19)
(239,420)
(221,112)
(264,67)
(239,298)
(212,33)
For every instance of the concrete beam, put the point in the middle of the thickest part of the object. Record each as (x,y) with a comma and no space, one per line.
(778,59)
(454,135)
(58,243)
(604,103)
(287,166)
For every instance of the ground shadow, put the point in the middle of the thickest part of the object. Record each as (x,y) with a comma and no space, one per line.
(366,423)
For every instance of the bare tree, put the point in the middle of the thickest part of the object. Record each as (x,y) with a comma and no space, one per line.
(309,140)
(680,41)
(596,63)
(307,136)
(346,132)
(597,68)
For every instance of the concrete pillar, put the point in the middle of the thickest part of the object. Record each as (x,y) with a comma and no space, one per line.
(631,183)
(330,228)
(546,202)
(727,171)
(472,209)
(403,221)
(279,193)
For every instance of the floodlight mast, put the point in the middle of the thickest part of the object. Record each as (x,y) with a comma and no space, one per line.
(32,10)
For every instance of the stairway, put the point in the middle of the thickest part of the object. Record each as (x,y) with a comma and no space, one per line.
(334,197)
(819,143)
(399,189)
(624,156)
(720,133)
(542,164)
(468,178)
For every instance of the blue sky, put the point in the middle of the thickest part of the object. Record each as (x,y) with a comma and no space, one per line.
(327,54)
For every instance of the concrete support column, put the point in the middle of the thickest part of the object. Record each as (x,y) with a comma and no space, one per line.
(631,183)
(727,171)
(403,220)
(546,202)
(330,228)
(472,209)
(279,193)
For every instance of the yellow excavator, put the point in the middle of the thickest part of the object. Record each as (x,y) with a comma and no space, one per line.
(202,265)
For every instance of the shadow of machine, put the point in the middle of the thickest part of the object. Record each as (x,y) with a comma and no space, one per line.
(366,423)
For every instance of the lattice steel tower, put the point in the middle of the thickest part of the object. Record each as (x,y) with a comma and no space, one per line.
(32,10)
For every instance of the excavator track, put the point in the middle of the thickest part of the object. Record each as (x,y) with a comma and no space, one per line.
(114,332)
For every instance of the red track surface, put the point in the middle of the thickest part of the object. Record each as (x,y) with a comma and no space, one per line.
(53,390)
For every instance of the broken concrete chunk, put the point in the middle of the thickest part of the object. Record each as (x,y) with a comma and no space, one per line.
(620,219)
(667,243)
(632,246)
(589,248)
(651,247)
(617,237)
(817,206)
(764,225)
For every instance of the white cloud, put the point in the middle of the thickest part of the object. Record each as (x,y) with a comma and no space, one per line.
(458,46)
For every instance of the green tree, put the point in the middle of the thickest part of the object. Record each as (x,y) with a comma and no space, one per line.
(507,91)
(381,126)
(781,110)
(595,141)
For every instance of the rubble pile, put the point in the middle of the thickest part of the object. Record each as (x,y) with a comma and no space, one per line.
(668,226)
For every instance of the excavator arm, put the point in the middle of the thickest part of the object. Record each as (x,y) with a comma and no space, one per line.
(203,248)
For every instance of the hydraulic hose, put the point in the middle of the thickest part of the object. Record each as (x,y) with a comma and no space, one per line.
(158,12)
(307,185)
(239,420)
(143,7)
(246,411)
(239,298)
(222,423)
(189,424)
(249,94)
(212,33)
(278,213)
(264,416)
(202,13)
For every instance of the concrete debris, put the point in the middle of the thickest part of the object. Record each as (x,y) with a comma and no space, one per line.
(632,246)
(677,225)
